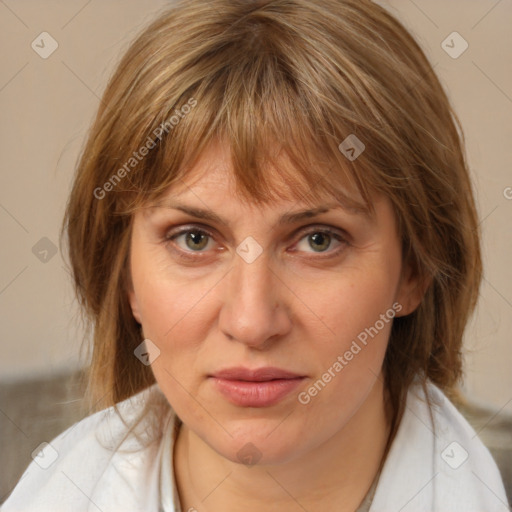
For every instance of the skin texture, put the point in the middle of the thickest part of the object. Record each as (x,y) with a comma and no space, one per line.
(298,306)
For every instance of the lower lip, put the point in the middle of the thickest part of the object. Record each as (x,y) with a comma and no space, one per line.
(256,394)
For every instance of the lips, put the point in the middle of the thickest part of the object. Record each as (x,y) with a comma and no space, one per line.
(262,387)
(258,375)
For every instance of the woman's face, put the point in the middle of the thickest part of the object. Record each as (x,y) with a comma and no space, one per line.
(311,295)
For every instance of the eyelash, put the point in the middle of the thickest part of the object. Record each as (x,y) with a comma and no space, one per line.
(194,255)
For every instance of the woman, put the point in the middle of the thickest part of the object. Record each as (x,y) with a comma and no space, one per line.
(273,234)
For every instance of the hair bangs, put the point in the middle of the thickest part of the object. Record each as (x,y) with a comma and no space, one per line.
(283,143)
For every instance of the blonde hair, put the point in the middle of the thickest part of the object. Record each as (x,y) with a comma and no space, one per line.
(270,78)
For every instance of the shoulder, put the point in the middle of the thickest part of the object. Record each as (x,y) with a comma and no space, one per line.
(437,461)
(113,448)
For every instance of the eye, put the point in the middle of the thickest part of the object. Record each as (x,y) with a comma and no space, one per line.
(191,239)
(320,240)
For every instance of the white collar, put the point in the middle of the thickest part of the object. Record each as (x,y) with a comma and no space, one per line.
(426,468)
(434,464)
(438,463)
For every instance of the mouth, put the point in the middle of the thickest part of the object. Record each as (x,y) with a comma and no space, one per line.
(262,387)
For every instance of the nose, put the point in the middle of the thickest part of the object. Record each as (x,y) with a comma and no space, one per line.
(254,309)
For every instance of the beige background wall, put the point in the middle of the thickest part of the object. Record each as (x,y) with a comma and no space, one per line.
(46,106)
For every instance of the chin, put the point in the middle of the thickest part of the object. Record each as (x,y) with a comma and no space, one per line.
(257,446)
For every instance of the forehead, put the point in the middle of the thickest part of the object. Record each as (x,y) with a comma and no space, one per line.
(211,180)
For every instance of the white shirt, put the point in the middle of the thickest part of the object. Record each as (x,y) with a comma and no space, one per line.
(98,464)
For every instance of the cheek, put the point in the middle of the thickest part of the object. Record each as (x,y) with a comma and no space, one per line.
(166,297)
(176,308)
(355,301)
(357,315)
(174,313)
(172,309)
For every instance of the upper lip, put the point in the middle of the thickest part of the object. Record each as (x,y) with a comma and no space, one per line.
(256,375)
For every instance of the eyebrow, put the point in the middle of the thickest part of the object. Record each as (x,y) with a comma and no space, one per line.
(287,218)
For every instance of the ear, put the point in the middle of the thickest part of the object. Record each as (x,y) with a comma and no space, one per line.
(411,290)
(133,301)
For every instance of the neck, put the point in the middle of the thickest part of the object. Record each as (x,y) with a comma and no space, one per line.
(335,476)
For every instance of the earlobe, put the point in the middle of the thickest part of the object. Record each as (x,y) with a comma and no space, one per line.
(133,302)
(411,291)
(134,306)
